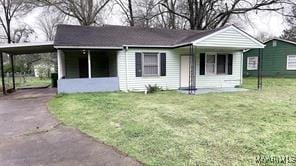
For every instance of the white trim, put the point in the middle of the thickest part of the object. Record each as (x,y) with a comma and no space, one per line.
(158,64)
(274,43)
(87,47)
(89,63)
(248,60)
(288,67)
(61,64)
(234,48)
(14,45)
(216,63)
(158,46)
(260,45)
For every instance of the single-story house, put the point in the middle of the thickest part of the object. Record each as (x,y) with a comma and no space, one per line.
(278,59)
(111,58)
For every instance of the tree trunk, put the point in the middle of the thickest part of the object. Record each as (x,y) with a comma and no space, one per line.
(130,7)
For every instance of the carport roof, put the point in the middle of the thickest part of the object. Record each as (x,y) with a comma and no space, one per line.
(27,48)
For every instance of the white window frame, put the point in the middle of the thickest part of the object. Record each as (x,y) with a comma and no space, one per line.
(274,43)
(158,65)
(248,60)
(216,63)
(289,67)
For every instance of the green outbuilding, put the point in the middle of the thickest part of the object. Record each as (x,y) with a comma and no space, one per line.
(278,59)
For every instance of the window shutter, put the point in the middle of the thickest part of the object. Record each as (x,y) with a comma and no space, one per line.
(162,64)
(230,62)
(202,61)
(138,64)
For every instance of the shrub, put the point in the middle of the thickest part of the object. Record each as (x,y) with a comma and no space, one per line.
(152,88)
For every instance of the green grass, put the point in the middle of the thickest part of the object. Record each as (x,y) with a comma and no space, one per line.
(21,82)
(169,128)
(33,82)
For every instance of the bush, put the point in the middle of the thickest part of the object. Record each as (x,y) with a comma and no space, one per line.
(238,86)
(152,88)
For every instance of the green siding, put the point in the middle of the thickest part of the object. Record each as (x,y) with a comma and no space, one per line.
(274,62)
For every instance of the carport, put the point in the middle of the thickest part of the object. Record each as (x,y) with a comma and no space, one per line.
(20,49)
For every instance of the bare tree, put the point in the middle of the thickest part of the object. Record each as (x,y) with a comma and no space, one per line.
(85,11)
(290,33)
(145,12)
(48,22)
(141,12)
(209,14)
(127,10)
(11,9)
(167,18)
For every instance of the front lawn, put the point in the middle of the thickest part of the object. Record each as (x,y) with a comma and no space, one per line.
(169,128)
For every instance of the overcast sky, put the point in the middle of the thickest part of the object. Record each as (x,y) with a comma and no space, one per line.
(271,23)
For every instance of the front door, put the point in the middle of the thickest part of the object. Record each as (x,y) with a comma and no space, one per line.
(83,67)
(184,71)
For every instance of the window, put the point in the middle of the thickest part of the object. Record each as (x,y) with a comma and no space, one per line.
(291,62)
(211,64)
(150,64)
(216,64)
(252,63)
(274,43)
(221,64)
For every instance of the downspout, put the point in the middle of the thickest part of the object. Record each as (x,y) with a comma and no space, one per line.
(242,68)
(126,77)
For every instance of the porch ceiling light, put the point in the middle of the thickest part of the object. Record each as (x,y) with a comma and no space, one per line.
(83,52)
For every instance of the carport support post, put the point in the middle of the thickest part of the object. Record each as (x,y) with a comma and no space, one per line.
(259,74)
(12,70)
(2,74)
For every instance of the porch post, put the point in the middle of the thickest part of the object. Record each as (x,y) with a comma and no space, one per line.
(61,64)
(192,70)
(2,74)
(89,64)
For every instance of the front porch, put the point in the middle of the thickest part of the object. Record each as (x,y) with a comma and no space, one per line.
(87,71)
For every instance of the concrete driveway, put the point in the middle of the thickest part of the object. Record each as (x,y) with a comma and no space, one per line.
(30,136)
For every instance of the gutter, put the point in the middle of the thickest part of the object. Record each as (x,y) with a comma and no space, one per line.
(88,47)
(158,46)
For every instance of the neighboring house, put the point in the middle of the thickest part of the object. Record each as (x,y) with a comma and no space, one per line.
(111,58)
(278,59)
(43,69)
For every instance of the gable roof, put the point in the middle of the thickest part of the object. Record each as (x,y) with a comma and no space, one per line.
(279,39)
(283,40)
(113,36)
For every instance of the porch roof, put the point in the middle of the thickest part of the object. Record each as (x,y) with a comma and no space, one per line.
(27,48)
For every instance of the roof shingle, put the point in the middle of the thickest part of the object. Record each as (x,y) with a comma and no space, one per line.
(118,36)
